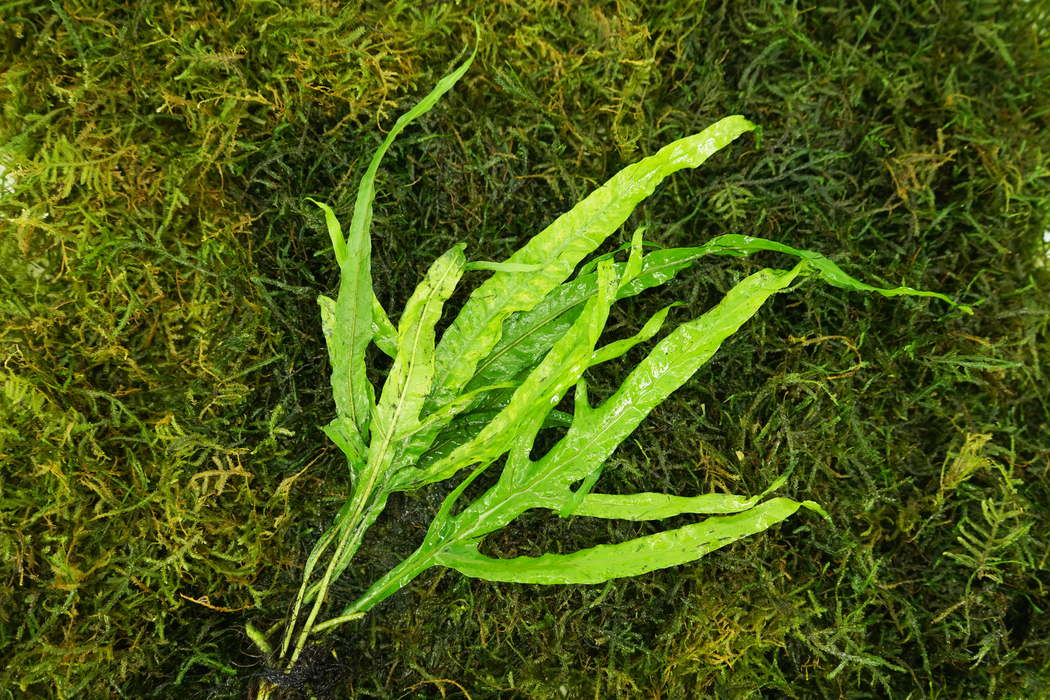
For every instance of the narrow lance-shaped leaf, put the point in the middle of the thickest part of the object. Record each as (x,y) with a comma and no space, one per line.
(409,380)
(632,558)
(560,369)
(735,244)
(383,332)
(340,431)
(596,432)
(353,313)
(557,250)
(658,506)
(619,347)
(530,335)
(350,323)
(527,335)
(403,393)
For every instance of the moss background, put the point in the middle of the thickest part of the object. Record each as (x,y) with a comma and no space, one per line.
(163,368)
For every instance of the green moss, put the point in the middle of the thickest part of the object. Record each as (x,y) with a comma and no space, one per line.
(163,372)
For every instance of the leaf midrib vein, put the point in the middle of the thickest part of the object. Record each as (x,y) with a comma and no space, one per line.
(553,315)
(401,399)
(479,327)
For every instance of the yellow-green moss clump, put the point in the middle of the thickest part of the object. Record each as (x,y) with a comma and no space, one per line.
(163,366)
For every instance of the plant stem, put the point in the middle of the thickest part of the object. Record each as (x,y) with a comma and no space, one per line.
(394,580)
(315,555)
(348,543)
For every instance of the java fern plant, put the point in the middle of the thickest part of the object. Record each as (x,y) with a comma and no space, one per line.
(523,339)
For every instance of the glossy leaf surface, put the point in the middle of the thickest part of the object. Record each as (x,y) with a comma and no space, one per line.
(527,335)
(596,432)
(631,558)
(537,395)
(409,380)
(353,311)
(557,250)
(349,323)
(658,506)
(383,332)
(619,347)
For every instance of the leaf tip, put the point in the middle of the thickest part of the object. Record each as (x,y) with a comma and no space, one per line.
(816,508)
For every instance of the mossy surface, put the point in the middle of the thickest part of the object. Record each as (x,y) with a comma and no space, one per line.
(162,477)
